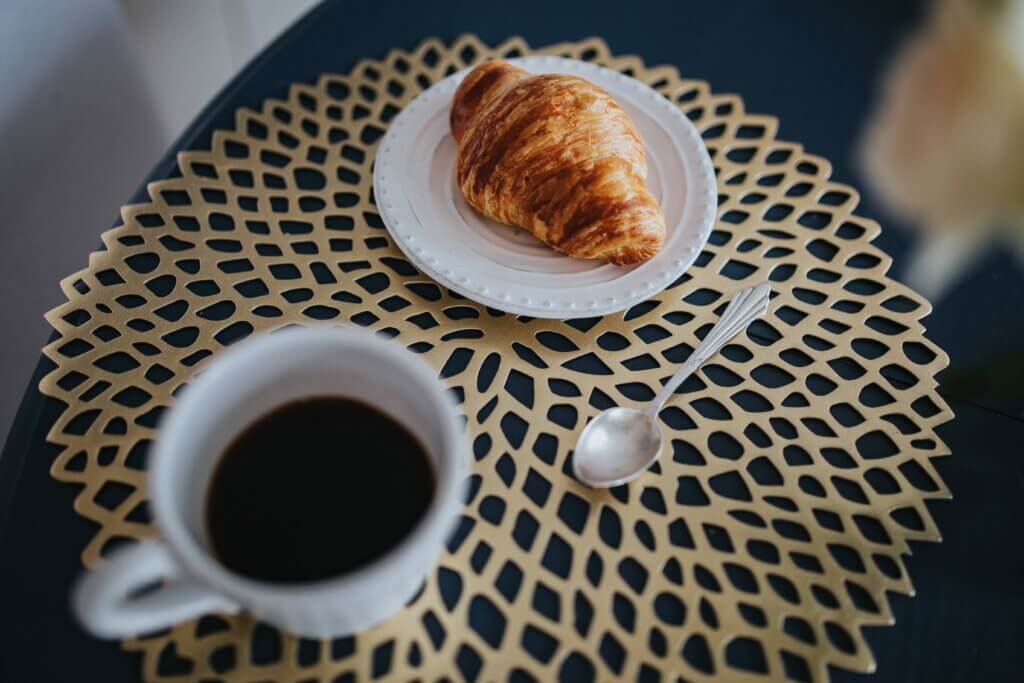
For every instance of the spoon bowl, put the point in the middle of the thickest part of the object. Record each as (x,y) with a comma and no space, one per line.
(617,445)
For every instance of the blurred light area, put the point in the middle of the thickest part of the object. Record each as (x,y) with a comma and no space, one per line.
(944,148)
(93,92)
(192,47)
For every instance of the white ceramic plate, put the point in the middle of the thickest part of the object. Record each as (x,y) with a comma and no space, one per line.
(507,268)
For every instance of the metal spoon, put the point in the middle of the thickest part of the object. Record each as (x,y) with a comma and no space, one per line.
(620,443)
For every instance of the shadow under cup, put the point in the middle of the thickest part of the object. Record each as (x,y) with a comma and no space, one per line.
(250,381)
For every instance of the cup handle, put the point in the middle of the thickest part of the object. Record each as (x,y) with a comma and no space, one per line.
(104,602)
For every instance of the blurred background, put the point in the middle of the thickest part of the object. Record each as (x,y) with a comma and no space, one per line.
(93,93)
(920,105)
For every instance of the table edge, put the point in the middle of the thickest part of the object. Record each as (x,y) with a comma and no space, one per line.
(25,424)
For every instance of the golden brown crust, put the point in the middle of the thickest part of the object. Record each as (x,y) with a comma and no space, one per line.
(555,154)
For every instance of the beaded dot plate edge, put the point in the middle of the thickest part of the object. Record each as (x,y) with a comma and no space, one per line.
(796,470)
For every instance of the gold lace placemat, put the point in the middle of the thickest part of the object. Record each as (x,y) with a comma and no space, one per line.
(796,470)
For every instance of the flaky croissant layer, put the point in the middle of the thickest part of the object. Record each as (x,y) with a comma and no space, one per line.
(555,154)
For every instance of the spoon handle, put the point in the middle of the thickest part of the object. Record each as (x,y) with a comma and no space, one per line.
(746,305)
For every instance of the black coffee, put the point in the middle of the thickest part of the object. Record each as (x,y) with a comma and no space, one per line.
(315,489)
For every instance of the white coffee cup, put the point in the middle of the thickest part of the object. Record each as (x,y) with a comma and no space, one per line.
(246,382)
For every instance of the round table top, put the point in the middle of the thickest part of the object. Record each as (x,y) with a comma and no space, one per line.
(962,625)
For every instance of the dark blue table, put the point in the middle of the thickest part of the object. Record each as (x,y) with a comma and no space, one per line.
(816,67)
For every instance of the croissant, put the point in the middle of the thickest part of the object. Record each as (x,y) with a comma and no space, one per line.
(556,155)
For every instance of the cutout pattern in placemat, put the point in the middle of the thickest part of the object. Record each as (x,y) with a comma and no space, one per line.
(798,461)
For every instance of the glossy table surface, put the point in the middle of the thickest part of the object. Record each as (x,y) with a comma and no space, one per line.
(816,67)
